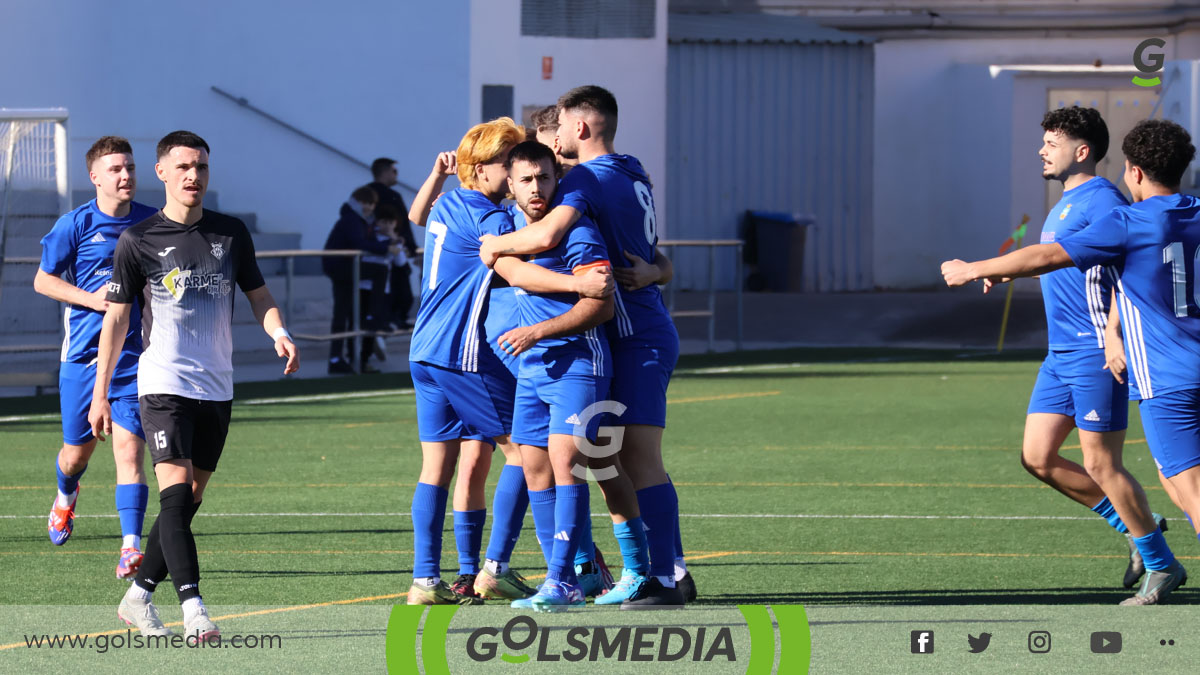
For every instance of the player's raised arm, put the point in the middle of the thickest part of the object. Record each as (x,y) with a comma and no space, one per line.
(1025,262)
(533,238)
(444,166)
(596,282)
(112,337)
(262,303)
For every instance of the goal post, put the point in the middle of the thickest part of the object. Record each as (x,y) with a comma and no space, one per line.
(34,180)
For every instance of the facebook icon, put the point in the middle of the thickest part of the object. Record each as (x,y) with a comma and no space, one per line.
(922,642)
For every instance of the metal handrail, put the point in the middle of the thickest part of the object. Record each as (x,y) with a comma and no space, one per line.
(243,102)
(711,313)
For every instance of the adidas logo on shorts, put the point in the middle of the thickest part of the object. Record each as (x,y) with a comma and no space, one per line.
(573,419)
(1092,417)
(562,536)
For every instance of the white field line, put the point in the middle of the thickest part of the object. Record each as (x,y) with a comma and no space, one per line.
(402,514)
(251,401)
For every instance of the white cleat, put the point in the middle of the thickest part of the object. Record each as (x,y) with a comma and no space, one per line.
(142,614)
(201,626)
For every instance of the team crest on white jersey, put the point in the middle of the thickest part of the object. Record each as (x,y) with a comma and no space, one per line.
(218,251)
(1065,211)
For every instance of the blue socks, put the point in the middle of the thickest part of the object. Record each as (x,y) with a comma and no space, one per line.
(541,502)
(428,517)
(659,506)
(570,509)
(468,537)
(508,513)
(1108,512)
(67,484)
(678,535)
(631,537)
(131,501)
(1155,553)
(587,549)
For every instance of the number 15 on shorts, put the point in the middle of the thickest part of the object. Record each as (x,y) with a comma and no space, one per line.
(160,439)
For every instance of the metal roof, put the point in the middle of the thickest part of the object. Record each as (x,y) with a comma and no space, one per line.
(753,27)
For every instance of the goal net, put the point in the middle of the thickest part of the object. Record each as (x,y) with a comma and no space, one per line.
(34,191)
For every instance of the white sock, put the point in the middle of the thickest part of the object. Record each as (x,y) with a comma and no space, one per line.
(64,499)
(680,569)
(136,592)
(427,582)
(192,607)
(667,582)
(131,541)
(495,567)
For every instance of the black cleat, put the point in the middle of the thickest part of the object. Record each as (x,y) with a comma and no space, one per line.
(464,586)
(653,595)
(687,587)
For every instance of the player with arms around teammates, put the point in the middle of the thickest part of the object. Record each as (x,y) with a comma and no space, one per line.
(1152,246)
(1073,390)
(80,247)
(614,192)
(190,258)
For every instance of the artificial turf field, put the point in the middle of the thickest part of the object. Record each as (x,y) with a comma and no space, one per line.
(878,488)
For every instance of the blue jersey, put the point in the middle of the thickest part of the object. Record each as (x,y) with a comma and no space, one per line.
(79,249)
(502,313)
(585,353)
(1076,300)
(454,283)
(614,191)
(1153,245)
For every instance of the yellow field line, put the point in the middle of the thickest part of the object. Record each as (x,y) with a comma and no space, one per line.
(242,615)
(723,397)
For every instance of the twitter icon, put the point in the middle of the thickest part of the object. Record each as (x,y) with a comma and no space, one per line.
(979,644)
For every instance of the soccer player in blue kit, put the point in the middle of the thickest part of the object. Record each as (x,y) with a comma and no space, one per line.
(80,247)
(463,389)
(565,369)
(1072,388)
(614,192)
(1152,244)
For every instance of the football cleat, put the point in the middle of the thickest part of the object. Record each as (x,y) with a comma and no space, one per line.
(557,596)
(464,585)
(687,586)
(1159,584)
(143,615)
(1137,568)
(201,627)
(440,594)
(62,521)
(627,585)
(508,586)
(128,564)
(653,595)
(598,581)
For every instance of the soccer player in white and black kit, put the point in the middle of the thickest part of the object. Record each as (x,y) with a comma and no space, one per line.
(190,258)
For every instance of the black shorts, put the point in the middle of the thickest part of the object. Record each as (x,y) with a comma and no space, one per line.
(178,427)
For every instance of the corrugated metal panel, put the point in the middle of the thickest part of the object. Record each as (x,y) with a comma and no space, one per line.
(778,127)
(754,27)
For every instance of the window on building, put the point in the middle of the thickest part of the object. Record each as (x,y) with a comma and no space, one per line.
(588,18)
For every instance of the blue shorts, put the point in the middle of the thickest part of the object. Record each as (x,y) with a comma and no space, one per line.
(557,405)
(453,404)
(1074,383)
(75,384)
(642,367)
(1172,425)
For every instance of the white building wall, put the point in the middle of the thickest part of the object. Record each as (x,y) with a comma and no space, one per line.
(634,70)
(372,78)
(956,150)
